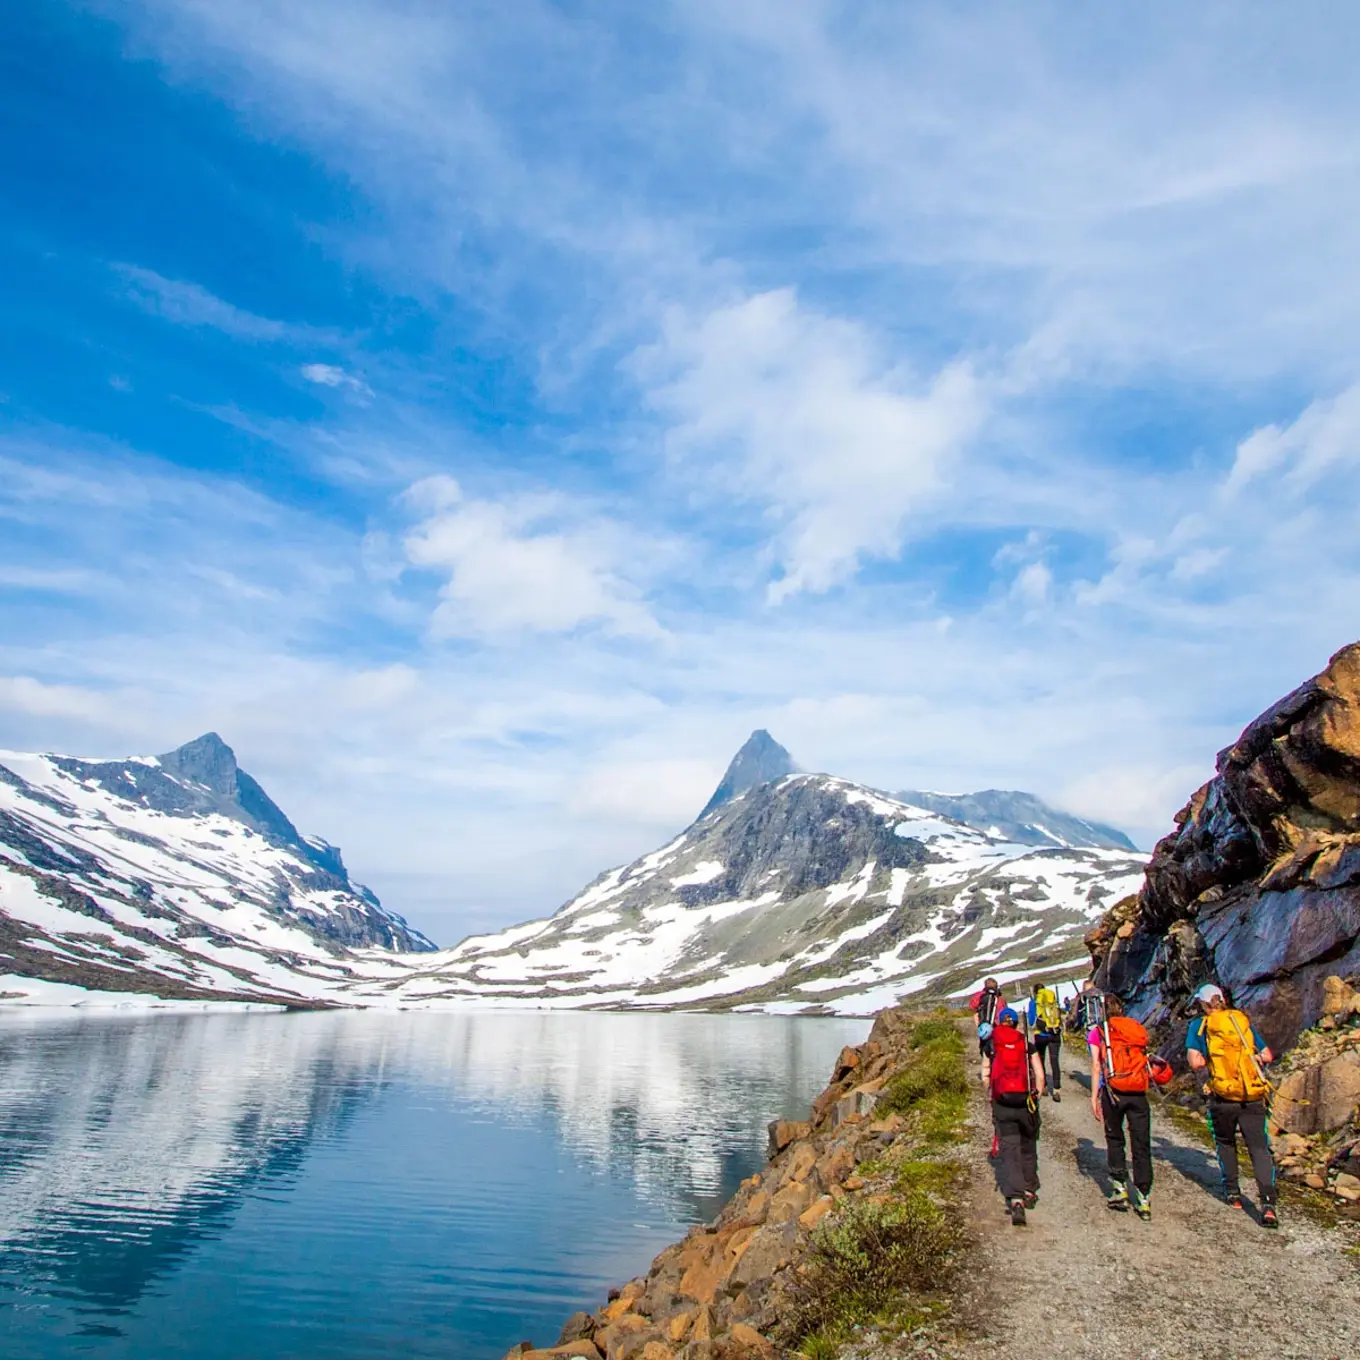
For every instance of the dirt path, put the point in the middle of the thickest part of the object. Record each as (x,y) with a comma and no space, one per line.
(1201,1280)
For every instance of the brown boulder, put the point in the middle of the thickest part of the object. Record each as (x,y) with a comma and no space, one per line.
(1339,999)
(791,1201)
(801,1162)
(577,1327)
(785,1131)
(812,1216)
(609,1340)
(1319,1098)
(745,1343)
(836,1165)
(768,1250)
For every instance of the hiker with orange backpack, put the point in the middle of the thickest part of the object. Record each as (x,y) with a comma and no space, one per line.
(1120,1075)
(1222,1047)
(1015,1079)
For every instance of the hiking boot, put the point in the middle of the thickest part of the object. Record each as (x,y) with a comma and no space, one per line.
(1269,1218)
(1142,1205)
(1233,1201)
(1057,1095)
(1018,1213)
(1118,1198)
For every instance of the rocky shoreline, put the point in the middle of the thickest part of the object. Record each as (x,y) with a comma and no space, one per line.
(729,1289)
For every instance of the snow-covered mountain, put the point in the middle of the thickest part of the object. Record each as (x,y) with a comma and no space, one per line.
(803,893)
(175,874)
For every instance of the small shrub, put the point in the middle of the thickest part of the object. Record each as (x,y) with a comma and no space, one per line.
(934,1029)
(937,1071)
(870,1262)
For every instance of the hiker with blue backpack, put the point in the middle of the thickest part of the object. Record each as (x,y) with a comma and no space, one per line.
(1224,1050)
(1015,1080)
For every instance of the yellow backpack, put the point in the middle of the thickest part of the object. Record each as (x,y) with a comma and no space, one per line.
(1234,1073)
(1046,1009)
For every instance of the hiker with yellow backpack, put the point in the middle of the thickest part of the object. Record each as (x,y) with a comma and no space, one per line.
(1222,1047)
(1045,1027)
(1121,1072)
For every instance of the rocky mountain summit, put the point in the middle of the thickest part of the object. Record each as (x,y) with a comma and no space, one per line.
(761,760)
(176,875)
(1258,887)
(799,893)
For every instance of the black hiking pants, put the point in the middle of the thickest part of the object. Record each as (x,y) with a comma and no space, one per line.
(1226,1119)
(1050,1055)
(1017,1158)
(1119,1108)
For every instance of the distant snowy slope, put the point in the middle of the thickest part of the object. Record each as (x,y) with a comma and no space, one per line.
(808,893)
(174,874)
(1021,817)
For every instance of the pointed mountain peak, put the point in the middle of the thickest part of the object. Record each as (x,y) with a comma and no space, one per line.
(207,760)
(761,760)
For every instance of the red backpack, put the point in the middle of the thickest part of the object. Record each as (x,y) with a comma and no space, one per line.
(1128,1059)
(1010,1065)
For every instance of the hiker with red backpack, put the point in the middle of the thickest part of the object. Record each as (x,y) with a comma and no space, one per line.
(1120,1076)
(1227,1053)
(1016,1080)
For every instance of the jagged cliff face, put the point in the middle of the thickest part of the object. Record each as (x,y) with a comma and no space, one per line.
(175,875)
(1258,888)
(808,893)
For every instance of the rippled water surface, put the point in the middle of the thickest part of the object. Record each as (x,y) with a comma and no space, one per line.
(290,1187)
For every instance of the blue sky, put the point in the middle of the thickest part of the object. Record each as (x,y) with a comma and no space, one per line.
(485,415)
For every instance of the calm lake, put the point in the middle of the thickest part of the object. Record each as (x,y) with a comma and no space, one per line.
(293,1187)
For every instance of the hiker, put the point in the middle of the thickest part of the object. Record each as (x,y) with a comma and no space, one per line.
(1045,1025)
(1078,1010)
(1016,1080)
(1119,1086)
(1222,1047)
(985,1006)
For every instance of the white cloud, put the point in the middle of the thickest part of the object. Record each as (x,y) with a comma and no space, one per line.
(331,375)
(22,694)
(527,563)
(662,793)
(1324,436)
(801,412)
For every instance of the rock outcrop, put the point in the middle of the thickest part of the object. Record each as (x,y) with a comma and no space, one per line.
(1258,888)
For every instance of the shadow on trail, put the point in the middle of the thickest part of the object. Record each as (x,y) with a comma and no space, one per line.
(1194,1163)
(1091,1162)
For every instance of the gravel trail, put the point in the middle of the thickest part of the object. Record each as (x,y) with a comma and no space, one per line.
(1200,1280)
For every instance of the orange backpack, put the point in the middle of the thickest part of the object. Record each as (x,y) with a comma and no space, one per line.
(1127,1060)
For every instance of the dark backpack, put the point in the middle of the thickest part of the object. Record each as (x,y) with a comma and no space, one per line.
(989,1002)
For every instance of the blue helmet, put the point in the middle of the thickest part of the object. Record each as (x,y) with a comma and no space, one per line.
(984,1031)
(1008,1017)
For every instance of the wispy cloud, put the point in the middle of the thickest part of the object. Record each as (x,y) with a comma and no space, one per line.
(183,303)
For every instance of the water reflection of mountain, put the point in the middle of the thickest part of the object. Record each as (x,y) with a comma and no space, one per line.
(126,1144)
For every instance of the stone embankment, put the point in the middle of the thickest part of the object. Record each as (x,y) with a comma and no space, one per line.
(730,1288)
